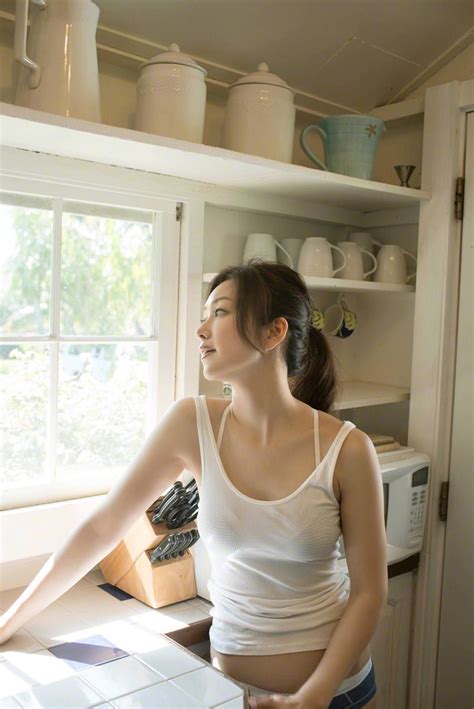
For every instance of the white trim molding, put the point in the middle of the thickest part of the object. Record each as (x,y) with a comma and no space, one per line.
(432,386)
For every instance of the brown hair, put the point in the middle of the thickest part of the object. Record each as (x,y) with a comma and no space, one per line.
(266,290)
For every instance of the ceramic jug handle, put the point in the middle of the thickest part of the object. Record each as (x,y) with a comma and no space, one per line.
(286,252)
(343,258)
(364,251)
(407,253)
(21,24)
(313,126)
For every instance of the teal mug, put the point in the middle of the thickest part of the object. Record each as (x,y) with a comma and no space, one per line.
(350,142)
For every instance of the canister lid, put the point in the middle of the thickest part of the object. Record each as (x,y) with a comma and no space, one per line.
(174,56)
(263,76)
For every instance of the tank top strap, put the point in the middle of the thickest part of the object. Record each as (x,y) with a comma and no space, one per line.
(209,464)
(339,439)
(317,450)
(200,419)
(221,427)
(326,471)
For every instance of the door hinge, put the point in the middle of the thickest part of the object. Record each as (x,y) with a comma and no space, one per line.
(179,211)
(459,198)
(443,501)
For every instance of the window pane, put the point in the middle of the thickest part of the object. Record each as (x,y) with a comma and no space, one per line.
(106,263)
(25,264)
(102,406)
(24,385)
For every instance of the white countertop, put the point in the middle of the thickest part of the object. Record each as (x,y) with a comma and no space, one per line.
(394,555)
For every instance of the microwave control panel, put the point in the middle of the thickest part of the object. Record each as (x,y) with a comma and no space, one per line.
(419,485)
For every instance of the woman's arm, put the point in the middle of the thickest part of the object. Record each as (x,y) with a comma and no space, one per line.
(159,463)
(365,543)
(80,552)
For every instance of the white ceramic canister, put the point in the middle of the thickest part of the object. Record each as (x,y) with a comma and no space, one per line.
(171,96)
(260,116)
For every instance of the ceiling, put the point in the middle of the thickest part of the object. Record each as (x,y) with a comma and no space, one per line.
(357,54)
(351,55)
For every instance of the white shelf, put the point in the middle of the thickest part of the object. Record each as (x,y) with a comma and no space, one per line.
(74,138)
(342,284)
(356,394)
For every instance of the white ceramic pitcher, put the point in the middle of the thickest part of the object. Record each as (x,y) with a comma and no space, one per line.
(263,246)
(60,72)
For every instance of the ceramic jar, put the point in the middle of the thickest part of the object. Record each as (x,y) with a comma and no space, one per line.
(260,116)
(171,96)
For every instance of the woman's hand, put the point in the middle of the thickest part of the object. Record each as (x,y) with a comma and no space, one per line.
(4,633)
(275,701)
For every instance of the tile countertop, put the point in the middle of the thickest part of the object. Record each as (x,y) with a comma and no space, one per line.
(99,647)
(167,676)
(96,646)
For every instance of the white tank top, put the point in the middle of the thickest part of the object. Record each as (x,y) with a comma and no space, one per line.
(275,584)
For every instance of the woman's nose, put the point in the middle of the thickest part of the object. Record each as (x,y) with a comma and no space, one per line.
(199,331)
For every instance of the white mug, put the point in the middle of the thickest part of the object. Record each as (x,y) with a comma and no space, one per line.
(354,268)
(315,258)
(366,241)
(263,246)
(293,246)
(391,265)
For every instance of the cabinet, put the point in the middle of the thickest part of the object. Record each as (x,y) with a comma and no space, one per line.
(390,644)
(371,376)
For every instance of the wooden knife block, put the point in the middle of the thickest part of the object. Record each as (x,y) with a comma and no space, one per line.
(128,565)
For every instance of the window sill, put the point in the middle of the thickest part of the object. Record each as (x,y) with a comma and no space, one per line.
(19,538)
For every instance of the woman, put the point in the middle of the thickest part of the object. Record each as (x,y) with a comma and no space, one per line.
(286,620)
(278,478)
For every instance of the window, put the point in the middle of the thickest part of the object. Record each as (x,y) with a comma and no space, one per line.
(81,292)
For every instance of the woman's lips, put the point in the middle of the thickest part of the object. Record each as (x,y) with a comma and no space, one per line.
(207,352)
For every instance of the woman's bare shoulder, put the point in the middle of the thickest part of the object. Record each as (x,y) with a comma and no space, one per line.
(189,433)
(190,437)
(329,425)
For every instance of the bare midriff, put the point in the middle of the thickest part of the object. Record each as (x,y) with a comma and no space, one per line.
(284,673)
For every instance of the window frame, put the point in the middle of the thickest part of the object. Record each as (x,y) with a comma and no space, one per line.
(94,185)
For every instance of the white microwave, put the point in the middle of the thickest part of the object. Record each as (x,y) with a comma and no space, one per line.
(405,475)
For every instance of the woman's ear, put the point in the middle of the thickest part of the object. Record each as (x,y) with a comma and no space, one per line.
(276,333)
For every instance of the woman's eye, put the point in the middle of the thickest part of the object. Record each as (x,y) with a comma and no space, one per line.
(215,311)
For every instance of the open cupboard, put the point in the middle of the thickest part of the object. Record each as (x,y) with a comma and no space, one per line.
(396,367)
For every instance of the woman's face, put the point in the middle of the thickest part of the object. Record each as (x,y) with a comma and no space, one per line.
(218,331)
